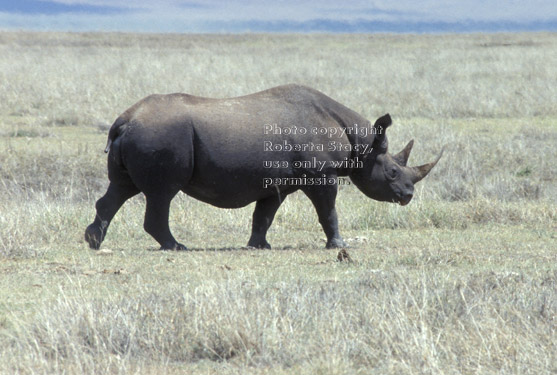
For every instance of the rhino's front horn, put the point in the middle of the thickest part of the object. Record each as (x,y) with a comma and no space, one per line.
(402,157)
(422,171)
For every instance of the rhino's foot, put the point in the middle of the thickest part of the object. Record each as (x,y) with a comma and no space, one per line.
(336,243)
(259,244)
(175,246)
(94,236)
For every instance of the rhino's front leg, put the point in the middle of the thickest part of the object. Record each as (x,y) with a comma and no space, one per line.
(263,215)
(323,199)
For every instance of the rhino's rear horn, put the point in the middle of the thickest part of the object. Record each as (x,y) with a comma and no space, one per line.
(402,157)
(422,171)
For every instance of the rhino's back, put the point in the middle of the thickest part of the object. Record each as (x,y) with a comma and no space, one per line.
(287,104)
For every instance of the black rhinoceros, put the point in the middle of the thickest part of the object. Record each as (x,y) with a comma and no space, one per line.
(255,148)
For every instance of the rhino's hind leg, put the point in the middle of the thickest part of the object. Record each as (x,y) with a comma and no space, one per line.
(107,207)
(263,215)
(323,199)
(156,220)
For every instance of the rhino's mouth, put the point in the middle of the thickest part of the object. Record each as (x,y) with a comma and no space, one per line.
(405,200)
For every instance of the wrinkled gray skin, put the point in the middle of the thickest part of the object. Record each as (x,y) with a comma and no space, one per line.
(213,150)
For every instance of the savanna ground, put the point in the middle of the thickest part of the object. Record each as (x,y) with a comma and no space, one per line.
(461,281)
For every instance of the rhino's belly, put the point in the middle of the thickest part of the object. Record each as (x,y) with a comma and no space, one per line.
(228,185)
(228,194)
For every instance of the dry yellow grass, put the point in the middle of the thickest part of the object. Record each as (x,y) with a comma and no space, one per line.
(461,281)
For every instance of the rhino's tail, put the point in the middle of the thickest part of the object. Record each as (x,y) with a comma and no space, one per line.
(115,130)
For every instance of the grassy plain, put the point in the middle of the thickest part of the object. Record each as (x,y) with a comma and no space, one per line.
(461,281)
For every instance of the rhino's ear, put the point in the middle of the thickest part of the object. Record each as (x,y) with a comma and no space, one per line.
(402,157)
(380,143)
(382,124)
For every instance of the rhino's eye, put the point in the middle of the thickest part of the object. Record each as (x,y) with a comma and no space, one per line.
(392,172)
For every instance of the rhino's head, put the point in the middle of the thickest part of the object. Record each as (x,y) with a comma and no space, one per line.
(385,177)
